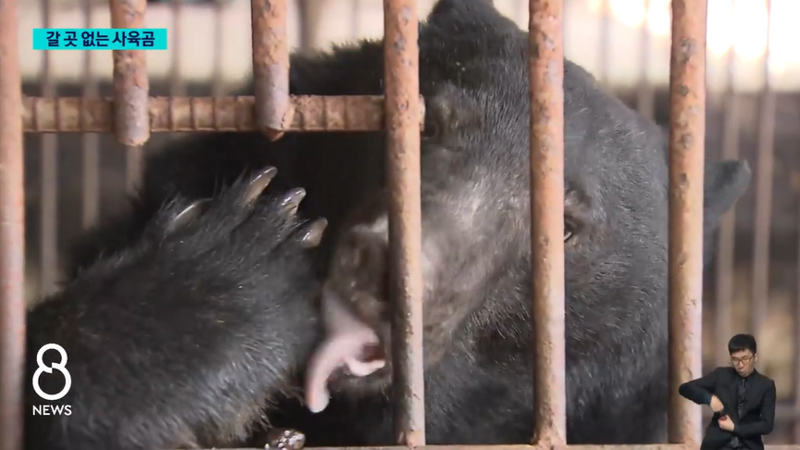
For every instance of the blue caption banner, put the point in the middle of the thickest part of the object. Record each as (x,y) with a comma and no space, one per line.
(99,38)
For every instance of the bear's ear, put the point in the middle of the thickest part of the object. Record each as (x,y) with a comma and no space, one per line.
(469,16)
(725,182)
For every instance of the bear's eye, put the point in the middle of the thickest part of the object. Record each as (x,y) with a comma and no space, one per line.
(431,129)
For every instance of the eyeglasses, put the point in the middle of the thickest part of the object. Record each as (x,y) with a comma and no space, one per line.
(742,360)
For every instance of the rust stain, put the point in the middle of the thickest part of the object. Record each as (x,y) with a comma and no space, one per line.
(274,110)
(131,82)
(686,168)
(403,107)
(546,56)
(165,114)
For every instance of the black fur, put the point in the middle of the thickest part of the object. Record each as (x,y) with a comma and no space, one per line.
(182,338)
(473,74)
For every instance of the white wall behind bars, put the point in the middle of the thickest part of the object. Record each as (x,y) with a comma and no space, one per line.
(342,20)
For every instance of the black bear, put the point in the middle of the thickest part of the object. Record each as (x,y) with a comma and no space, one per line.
(221,328)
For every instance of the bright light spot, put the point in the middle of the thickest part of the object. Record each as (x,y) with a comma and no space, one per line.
(741,24)
(630,12)
(738,25)
(720,26)
(658,18)
(749,28)
(784,33)
(594,5)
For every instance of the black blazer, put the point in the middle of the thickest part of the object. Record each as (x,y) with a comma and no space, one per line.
(758,412)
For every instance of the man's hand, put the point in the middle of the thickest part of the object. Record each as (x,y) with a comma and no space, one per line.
(725,423)
(715,404)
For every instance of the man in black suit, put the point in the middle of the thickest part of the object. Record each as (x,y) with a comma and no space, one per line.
(742,399)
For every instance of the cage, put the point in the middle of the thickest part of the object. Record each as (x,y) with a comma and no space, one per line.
(81,152)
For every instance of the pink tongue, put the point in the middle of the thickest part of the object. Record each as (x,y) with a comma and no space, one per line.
(346,338)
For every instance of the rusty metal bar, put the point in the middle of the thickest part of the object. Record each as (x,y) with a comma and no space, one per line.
(402,107)
(131,90)
(726,243)
(12,232)
(686,171)
(90,170)
(313,113)
(546,60)
(271,67)
(545,447)
(759,299)
(131,84)
(540,447)
(48,178)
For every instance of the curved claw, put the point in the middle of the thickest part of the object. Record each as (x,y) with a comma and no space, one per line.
(190,213)
(291,201)
(312,233)
(258,184)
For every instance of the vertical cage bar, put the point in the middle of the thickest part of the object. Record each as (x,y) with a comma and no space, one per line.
(797,351)
(759,298)
(401,83)
(726,243)
(217,86)
(686,173)
(133,166)
(274,109)
(131,89)
(546,59)
(48,177)
(604,42)
(305,22)
(177,87)
(646,98)
(355,9)
(12,232)
(90,186)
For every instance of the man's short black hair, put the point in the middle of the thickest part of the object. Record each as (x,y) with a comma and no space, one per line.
(742,342)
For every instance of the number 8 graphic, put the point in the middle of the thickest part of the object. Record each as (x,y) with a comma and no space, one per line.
(61,366)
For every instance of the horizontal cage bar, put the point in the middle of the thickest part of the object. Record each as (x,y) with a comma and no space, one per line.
(176,114)
(540,447)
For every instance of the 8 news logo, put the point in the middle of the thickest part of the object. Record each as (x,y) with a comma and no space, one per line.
(61,367)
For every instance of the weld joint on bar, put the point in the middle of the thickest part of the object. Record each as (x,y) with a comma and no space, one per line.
(274,109)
